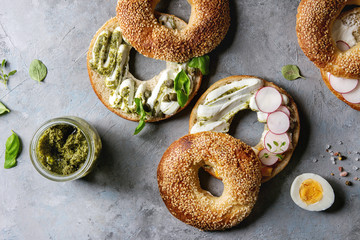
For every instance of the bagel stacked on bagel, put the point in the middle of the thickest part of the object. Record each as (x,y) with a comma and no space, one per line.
(216,108)
(240,167)
(330,38)
(207,27)
(117,88)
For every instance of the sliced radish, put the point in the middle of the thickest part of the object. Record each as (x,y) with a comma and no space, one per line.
(267,158)
(276,143)
(284,110)
(353,96)
(268,99)
(342,85)
(342,45)
(278,122)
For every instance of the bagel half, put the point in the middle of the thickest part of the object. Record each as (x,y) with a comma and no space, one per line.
(314,23)
(292,107)
(207,27)
(325,77)
(179,184)
(103,92)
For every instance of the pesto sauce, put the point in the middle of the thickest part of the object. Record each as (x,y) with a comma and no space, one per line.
(62,149)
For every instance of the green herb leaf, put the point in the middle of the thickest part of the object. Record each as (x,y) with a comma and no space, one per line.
(281,157)
(12,73)
(37,70)
(12,150)
(269,146)
(291,72)
(3,109)
(266,155)
(201,63)
(140,110)
(182,85)
(3,76)
(282,144)
(276,143)
(140,126)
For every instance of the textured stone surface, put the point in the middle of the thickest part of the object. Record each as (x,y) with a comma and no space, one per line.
(119,199)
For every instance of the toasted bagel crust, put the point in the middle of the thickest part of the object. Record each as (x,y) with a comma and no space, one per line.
(325,77)
(315,19)
(103,92)
(180,188)
(207,27)
(292,107)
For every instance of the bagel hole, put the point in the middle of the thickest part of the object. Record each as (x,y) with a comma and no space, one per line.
(210,183)
(144,68)
(182,8)
(246,127)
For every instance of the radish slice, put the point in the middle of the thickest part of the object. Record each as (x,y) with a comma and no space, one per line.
(353,96)
(267,158)
(342,85)
(278,122)
(342,45)
(284,110)
(268,99)
(276,143)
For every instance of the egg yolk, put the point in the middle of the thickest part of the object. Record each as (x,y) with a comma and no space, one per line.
(310,191)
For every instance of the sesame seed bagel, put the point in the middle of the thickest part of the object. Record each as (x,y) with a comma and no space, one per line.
(293,132)
(104,93)
(314,25)
(179,184)
(325,77)
(207,27)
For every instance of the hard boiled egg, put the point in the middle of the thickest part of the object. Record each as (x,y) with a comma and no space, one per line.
(312,192)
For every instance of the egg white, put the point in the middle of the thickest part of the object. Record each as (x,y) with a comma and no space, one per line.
(328,193)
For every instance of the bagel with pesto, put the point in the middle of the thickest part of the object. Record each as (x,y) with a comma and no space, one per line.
(160,97)
(275,108)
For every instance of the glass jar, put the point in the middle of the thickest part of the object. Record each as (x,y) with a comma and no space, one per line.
(92,138)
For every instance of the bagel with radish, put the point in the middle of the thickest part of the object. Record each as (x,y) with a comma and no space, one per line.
(318,29)
(275,108)
(335,47)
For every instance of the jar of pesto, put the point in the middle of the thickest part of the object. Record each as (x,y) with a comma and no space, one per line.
(65,149)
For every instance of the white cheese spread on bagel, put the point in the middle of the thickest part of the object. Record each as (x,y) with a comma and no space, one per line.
(110,58)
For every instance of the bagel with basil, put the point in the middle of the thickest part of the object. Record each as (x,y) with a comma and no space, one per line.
(117,88)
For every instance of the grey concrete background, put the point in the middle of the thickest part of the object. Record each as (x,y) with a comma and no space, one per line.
(119,199)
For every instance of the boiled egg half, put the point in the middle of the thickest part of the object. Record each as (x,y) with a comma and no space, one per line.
(312,192)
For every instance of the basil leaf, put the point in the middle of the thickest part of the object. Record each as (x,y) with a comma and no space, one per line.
(12,150)
(139,106)
(201,63)
(182,85)
(291,72)
(12,73)
(37,70)
(3,63)
(3,109)
(140,110)
(140,126)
